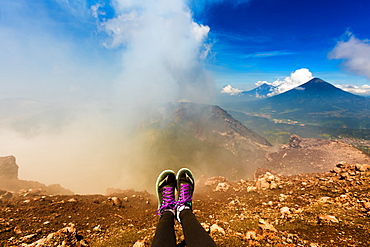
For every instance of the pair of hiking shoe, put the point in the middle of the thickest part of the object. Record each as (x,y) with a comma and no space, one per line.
(166,185)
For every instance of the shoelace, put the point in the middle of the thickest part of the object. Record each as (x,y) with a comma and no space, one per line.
(185,194)
(168,200)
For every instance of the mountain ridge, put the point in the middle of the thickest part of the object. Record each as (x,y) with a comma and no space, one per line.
(315,102)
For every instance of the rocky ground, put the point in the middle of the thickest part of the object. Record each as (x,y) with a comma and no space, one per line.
(323,209)
(307,155)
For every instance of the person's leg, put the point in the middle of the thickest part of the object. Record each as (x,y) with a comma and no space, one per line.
(195,235)
(165,232)
(165,188)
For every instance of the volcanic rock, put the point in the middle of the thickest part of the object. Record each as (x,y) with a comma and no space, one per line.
(308,155)
(267,181)
(317,209)
(266,226)
(217,229)
(327,219)
(8,168)
(9,182)
(222,187)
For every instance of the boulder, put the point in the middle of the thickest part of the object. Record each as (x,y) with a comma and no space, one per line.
(8,168)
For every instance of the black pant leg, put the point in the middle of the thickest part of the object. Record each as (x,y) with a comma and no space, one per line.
(195,235)
(165,232)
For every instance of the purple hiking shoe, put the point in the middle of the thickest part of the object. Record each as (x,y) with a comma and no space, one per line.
(165,187)
(185,188)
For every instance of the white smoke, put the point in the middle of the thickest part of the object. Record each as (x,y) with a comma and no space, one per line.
(355,54)
(151,53)
(162,52)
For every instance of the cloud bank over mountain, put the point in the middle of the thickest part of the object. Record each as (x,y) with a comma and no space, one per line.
(296,78)
(231,90)
(361,90)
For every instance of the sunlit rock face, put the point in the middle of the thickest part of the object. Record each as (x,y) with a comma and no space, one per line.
(8,168)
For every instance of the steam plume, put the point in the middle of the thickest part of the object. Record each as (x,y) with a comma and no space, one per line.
(86,144)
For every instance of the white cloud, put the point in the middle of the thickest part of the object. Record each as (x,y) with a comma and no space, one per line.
(95,10)
(259,83)
(364,89)
(355,54)
(200,32)
(268,54)
(77,8)
(296,78)
(230,90)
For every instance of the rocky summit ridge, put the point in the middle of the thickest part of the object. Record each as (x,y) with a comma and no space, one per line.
(310,155)
(10,183)
(317,209)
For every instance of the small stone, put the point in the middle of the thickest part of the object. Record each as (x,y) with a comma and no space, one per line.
(28,237)
(327,219)
(273,185)
(97,228)
(140,243)
(269,177)
(215,228)
(17,230)
(282,197)
(252,235)
(251,188)
(285,210)
(367,205)
(262,184)
(324,199)
(116,201)
(222,187)
(336,170)
(83,242)
(264,225)
(205,226)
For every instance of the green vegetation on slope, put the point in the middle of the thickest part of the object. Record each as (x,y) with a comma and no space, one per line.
(174,147)
(279,133)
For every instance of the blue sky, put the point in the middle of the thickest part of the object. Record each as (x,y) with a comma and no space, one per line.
(267,40)
(73,49)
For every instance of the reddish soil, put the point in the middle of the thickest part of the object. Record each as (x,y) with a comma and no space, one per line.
(324,209)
